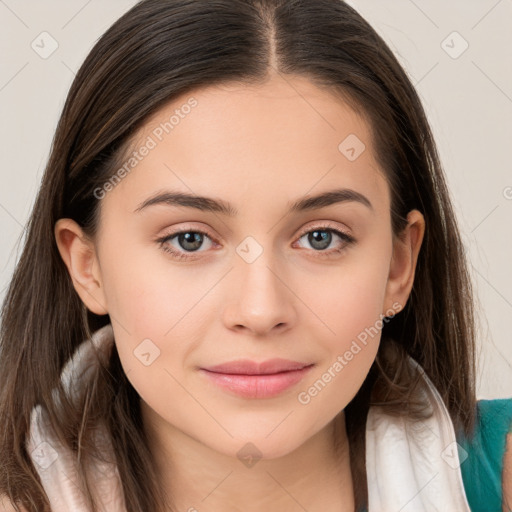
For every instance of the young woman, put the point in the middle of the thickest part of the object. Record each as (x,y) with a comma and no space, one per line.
(243,285)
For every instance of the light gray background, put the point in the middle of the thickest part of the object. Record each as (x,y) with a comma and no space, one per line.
(468,98)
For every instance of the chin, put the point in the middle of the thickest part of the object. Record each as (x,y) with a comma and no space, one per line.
(260,447)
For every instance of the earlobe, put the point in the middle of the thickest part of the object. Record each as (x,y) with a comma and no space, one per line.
(402,269)
(79,256)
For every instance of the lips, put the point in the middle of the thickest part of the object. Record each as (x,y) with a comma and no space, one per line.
(248,367)
(251,379)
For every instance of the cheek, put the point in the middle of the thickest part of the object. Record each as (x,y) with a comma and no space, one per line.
(158,319)
(350,299)
(335,384)
(351,306)
(148,295)
(353,314)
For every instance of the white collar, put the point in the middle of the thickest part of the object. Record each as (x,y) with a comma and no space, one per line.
(412,466)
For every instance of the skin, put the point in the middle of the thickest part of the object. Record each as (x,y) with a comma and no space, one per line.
(259,148)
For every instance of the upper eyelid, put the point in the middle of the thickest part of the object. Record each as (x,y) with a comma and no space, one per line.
(187,230)
(325,225)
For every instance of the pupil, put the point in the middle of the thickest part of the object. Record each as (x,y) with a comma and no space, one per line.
(323,239)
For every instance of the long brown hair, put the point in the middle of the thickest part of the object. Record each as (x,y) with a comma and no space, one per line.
(156,51)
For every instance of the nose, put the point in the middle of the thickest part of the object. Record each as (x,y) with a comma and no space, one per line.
(261,298)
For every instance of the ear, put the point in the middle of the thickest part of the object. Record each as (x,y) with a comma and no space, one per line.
(406,248)
(79,255)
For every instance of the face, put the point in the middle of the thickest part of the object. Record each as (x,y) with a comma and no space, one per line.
(265,272)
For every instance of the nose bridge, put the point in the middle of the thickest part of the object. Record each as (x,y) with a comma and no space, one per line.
(261,299)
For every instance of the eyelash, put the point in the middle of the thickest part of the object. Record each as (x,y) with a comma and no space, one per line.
(348,240)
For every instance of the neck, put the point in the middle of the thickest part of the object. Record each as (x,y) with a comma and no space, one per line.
(313,477)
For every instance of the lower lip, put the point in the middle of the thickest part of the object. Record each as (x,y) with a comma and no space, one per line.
(257,386)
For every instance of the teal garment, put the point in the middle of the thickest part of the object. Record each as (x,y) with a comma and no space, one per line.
(483,468)
(482,455)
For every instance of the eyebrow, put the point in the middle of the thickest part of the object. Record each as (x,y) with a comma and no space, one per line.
(209,204)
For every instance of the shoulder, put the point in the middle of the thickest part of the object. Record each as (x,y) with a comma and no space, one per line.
(486,456)
(507,473)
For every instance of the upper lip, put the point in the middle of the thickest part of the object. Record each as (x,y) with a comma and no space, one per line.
(248,367)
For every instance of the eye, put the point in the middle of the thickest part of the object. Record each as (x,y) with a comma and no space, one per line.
(185,241)
(183,244)
(321,237)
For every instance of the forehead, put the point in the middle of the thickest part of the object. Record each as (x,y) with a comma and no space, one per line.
(274,142)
